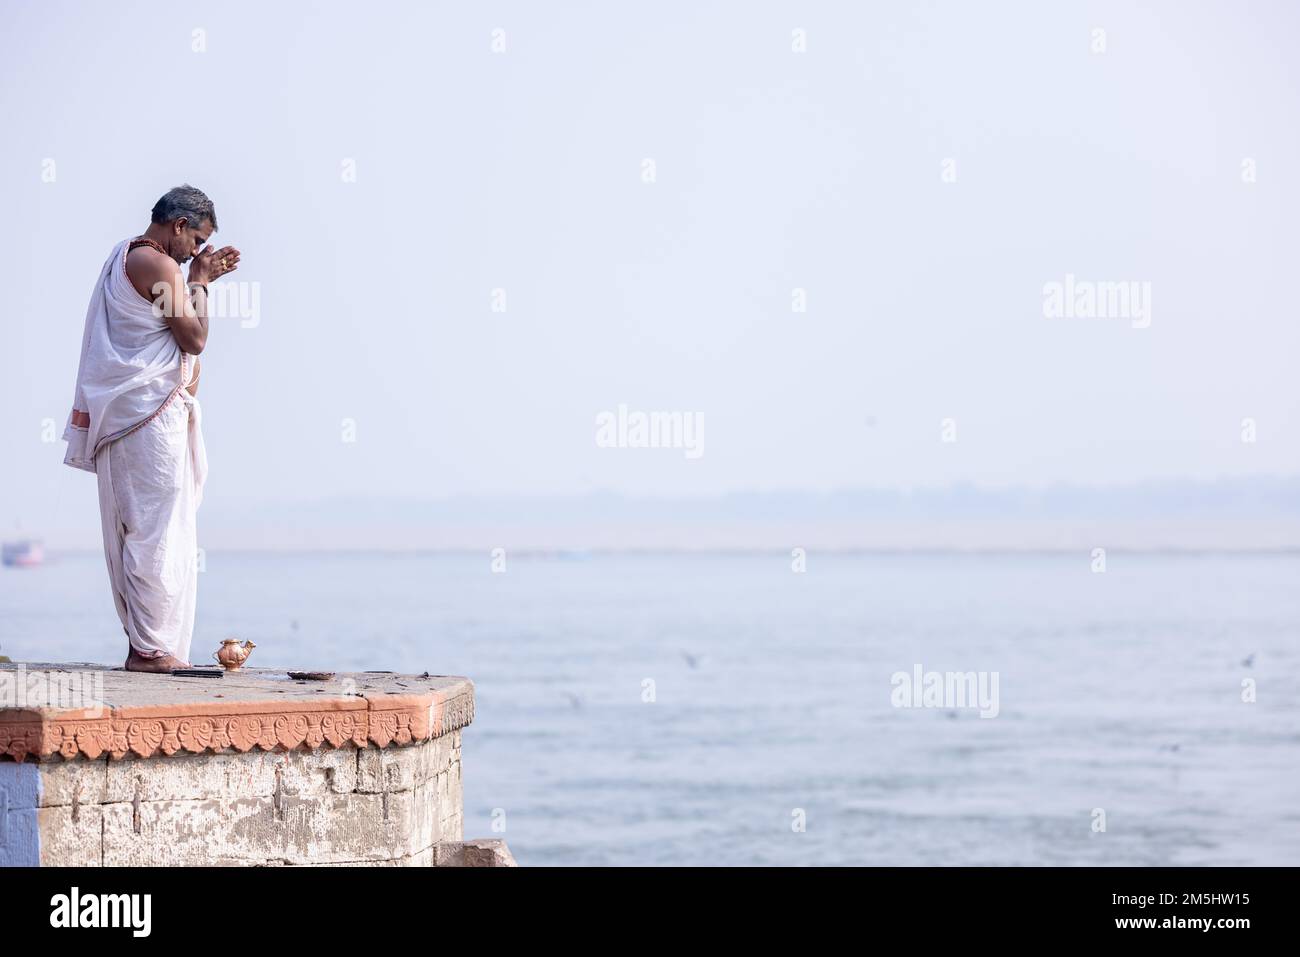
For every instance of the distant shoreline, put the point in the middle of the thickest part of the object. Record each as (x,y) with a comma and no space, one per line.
(573,554)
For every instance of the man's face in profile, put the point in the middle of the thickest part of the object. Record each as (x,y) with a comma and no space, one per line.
(189,240)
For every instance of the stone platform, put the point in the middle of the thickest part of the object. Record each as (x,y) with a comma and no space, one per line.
(103,766)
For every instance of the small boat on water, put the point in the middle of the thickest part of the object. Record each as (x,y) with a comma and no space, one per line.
(23,554)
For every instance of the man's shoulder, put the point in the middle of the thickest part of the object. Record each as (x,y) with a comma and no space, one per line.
(146,266)
(148,258)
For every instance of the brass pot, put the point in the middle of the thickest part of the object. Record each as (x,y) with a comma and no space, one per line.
(232,654)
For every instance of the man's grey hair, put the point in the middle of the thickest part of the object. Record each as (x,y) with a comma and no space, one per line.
(185,201)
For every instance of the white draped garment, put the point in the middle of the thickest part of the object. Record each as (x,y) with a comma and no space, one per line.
(134,425)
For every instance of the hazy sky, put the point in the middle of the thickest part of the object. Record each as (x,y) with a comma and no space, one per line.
(524,171)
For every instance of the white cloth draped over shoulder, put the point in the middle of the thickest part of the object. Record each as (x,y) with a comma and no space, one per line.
(137,427)
(131,365)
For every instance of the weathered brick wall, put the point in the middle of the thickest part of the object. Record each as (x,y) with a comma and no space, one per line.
(101,766)
(379,806)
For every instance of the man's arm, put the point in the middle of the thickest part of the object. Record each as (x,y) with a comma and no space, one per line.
(207,265)
(158,279)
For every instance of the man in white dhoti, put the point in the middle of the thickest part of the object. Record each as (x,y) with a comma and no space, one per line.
(135,421)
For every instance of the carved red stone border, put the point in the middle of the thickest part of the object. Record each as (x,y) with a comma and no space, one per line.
(146,731)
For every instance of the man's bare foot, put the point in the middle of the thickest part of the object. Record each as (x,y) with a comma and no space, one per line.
(159,665)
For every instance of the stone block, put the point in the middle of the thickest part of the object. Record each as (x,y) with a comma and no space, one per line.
(78,782)
(232,775)
(71,836)
(485,852)
(403,768)
(290,829)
